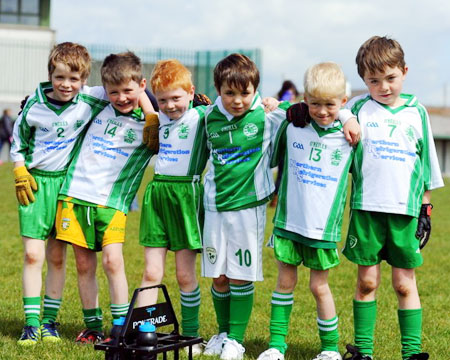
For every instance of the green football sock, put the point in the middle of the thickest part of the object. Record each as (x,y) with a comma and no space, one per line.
(411,331)
(365,316)
(93,319)
(329,334)
(51,308)
(279,319)
(32,309)
(241,304)
(190,305)
(221,303)
(118,310)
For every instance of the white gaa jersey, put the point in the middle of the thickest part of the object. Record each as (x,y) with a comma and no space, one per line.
(182,144)
(312,194)
(108,168)
(45,136)
(395,161)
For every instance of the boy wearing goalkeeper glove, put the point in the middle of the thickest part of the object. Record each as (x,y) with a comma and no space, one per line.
(172,210)
(45,136)
(311,202)
(101,182)
(394,170)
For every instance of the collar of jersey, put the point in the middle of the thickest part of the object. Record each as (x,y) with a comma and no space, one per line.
(135,114)
(255,104)
(42,98)
(411,101)
(332,128)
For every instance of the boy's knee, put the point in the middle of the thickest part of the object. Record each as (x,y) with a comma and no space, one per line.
(34,257)
(56,260)
(185,278)
(319,290)
(113,263)
(152,276)
(221,283)
(367,286)
(286,285)
(402,289)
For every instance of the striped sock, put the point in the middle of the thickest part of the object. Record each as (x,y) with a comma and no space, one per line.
(93,319)
(32,309)
(51,308)
(241,304)
(118,310)
(279,320)
(329,334)
(190,305)
(221,301)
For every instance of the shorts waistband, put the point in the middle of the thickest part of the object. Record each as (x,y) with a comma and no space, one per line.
(172,178)
(48,173)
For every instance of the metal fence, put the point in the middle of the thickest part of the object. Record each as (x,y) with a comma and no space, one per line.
(200,63)
(23,64)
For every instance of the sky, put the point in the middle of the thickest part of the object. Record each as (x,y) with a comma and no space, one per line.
(292,35)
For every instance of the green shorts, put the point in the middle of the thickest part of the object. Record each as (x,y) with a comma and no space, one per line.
(294,253)
(37,220)
(375,236)
(172,213)
(91,227)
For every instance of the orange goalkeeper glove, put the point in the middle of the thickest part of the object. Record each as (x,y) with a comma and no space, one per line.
(25,185)
(151,133)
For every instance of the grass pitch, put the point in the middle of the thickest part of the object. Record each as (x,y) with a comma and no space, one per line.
(433,282)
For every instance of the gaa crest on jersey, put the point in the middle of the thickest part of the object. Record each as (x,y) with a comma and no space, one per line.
(183,131)
(65,223)
(352,241)
(336,157)
(250,130)
(410,133)
(130,136)
(211,254)
(78,124)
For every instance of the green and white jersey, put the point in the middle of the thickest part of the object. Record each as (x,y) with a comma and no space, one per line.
(45,136)
(182,144)
(108,167)
(313,189)
(395,161)
(239,174)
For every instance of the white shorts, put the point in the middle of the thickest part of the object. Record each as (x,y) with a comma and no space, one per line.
(232,243)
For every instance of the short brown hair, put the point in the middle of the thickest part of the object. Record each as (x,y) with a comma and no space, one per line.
(75,56)
(170,75)
(120,68)
(377,53)
(236,70)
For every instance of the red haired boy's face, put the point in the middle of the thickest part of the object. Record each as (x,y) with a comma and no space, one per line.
(174,103)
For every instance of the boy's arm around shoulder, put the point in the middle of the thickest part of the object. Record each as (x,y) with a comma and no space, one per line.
(150,135)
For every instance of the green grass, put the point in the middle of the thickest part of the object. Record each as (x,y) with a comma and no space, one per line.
(433,282)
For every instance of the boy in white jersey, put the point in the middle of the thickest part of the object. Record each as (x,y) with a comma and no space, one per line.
(100,185)
(395,168)
(311,202)
(45,137)
(172,209)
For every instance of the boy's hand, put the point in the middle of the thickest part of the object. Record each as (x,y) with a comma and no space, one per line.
(270,104)
(25,184)
(298,115)
(201,99)
(150,136)
(424,225)
(352,131)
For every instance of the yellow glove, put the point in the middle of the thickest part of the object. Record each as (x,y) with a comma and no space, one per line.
(25,184)
(150,134)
